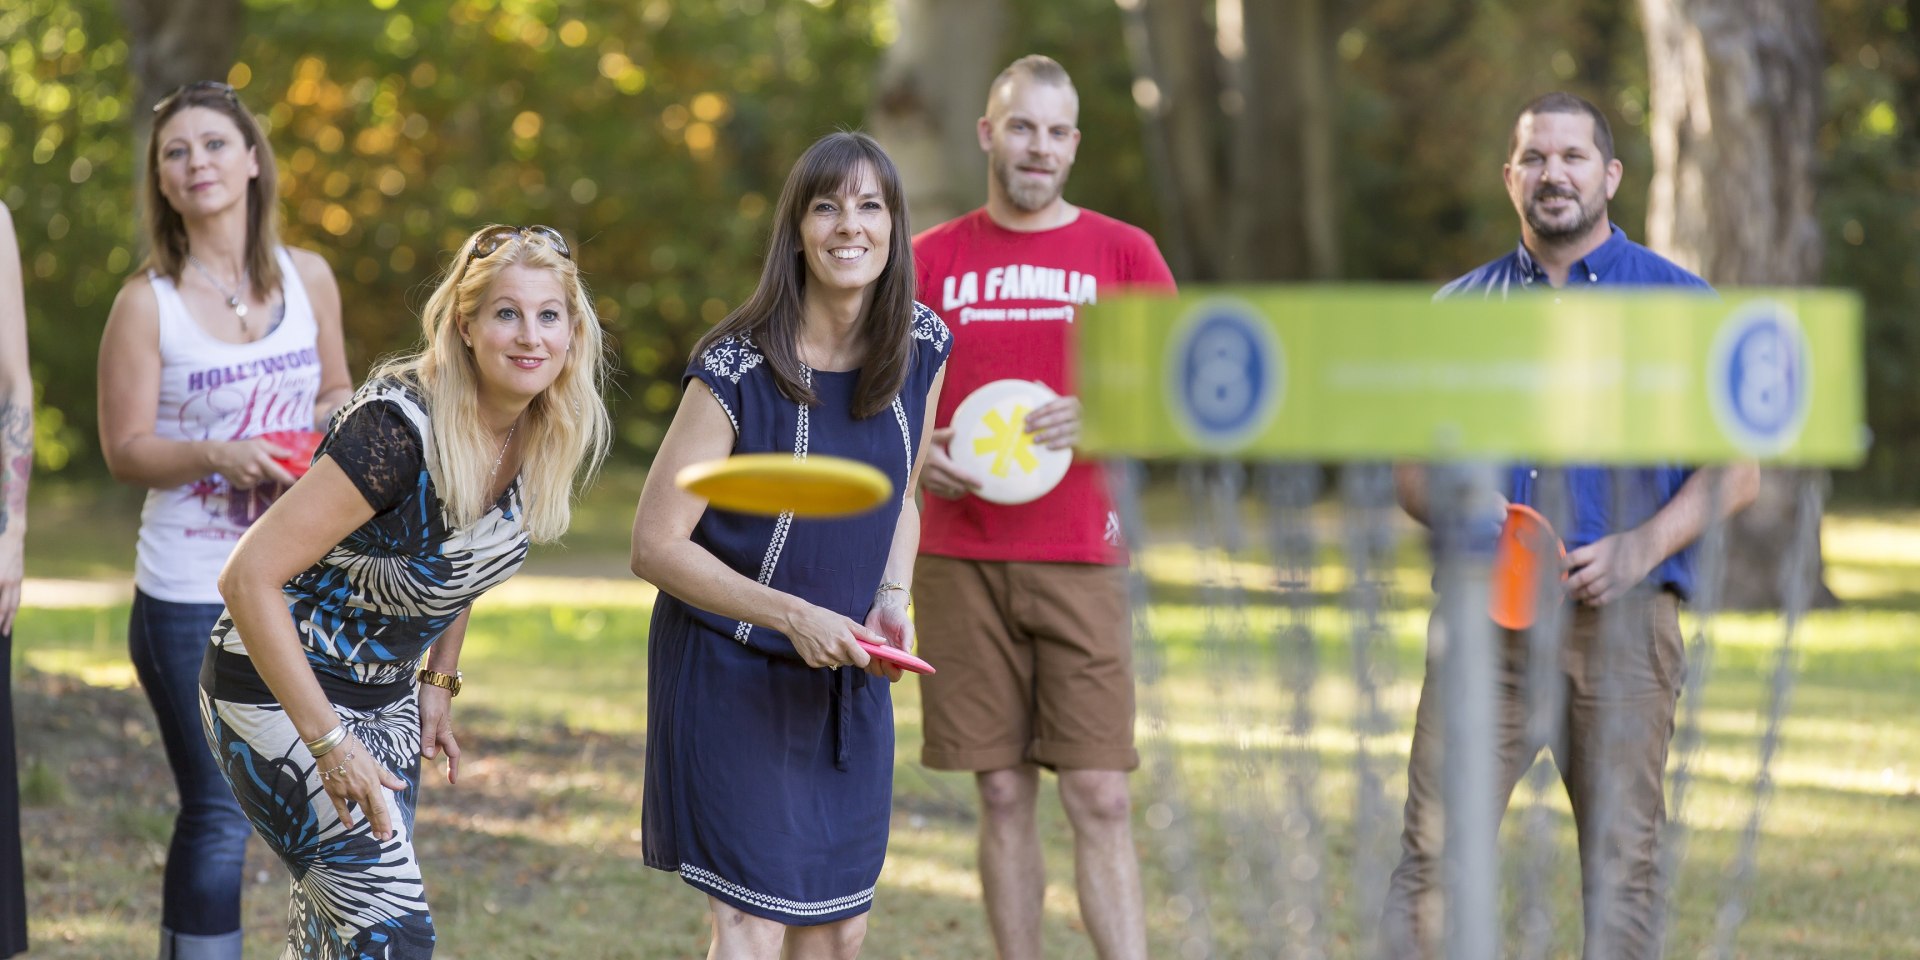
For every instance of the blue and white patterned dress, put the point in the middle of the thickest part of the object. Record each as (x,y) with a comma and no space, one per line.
(769,783)
(366,614)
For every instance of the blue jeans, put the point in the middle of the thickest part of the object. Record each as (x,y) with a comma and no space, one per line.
(201,898)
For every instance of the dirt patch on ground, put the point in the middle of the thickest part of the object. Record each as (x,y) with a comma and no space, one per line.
(540,813)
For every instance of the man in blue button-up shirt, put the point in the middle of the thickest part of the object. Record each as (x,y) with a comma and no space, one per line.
(1629,560)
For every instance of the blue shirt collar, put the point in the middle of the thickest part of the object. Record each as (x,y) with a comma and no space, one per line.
(1591,268)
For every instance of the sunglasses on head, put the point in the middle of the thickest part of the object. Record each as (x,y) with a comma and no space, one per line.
(198,86)
(485,245)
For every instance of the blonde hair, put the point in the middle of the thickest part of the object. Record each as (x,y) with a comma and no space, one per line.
(565,432)
(1035,68)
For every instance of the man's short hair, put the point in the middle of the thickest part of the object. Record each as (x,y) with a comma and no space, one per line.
(1558,102)
(1036,67)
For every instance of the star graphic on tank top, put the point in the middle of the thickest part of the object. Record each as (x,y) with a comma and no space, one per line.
(1009,443)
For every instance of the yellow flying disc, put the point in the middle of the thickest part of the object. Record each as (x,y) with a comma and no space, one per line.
(775,483)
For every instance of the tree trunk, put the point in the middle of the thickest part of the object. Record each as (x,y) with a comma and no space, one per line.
(1241,134)
(1177,86)
(172,43)
(1735,96)
(1907,103)
(1282,223)
(931,89)
(1313,42)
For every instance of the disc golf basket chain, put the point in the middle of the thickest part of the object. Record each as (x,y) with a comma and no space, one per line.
(1250,864)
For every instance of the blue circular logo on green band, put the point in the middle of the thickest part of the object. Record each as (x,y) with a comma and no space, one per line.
(1226,374)
(1759,377)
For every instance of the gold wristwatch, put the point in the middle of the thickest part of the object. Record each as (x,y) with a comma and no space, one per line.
(447,681)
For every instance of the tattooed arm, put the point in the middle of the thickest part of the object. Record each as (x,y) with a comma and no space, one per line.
(16,424)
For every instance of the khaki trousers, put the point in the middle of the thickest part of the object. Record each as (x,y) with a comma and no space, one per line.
(1614,719)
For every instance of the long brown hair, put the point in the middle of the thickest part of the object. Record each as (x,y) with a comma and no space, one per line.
(772,316)
(167,232)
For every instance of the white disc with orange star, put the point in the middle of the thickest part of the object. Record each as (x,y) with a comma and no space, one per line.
(990,441)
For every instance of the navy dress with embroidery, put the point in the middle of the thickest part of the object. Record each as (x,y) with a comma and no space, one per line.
(769,783)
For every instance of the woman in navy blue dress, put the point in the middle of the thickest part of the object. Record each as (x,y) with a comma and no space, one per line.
(769,742)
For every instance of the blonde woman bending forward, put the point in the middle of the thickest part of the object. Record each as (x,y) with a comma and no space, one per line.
(333,671)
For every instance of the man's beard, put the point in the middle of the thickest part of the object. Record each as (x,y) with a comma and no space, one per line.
(1557,232)
(1027,195)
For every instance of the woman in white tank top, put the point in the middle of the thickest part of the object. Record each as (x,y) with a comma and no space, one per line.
(224,336)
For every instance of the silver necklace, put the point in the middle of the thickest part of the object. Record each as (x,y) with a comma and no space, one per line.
(503,453)
(233,297)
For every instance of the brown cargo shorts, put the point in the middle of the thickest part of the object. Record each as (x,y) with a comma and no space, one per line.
(1035,665)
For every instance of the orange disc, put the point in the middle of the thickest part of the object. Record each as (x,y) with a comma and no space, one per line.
(1526,542)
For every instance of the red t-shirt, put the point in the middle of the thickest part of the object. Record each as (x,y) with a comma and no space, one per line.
(1011,300)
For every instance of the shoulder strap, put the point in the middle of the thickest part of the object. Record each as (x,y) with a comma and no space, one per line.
(292,289)
(170,311)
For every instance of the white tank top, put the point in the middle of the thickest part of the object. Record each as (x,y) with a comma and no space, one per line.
(214,390)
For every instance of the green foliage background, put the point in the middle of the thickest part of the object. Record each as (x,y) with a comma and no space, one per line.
(659,132)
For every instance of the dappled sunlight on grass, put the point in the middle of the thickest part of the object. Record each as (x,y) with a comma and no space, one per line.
(83,665)
(545,824)
(529,590)
(74,594)
(1818,940)
(1329,744)
(910,870)
(579,665)
(619,709)
(1183,565)
(1889,538)
(1859,583)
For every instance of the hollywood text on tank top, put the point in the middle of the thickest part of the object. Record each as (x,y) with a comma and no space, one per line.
(241,400)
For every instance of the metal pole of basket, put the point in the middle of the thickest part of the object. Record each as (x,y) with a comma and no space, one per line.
(1456,496)
(1546,698)
(1602,876)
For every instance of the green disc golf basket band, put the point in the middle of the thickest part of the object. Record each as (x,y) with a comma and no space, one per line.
(1250,435)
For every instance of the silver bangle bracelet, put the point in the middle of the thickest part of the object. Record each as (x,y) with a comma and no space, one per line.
(323,745)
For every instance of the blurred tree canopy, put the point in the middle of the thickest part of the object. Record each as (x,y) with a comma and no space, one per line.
(658,132)
(655,134)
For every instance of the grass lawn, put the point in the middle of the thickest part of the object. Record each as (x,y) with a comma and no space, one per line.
(536,853)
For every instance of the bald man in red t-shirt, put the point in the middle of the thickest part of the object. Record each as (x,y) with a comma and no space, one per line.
(1024,607)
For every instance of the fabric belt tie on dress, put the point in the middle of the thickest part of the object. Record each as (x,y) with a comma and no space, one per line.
(846,681)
